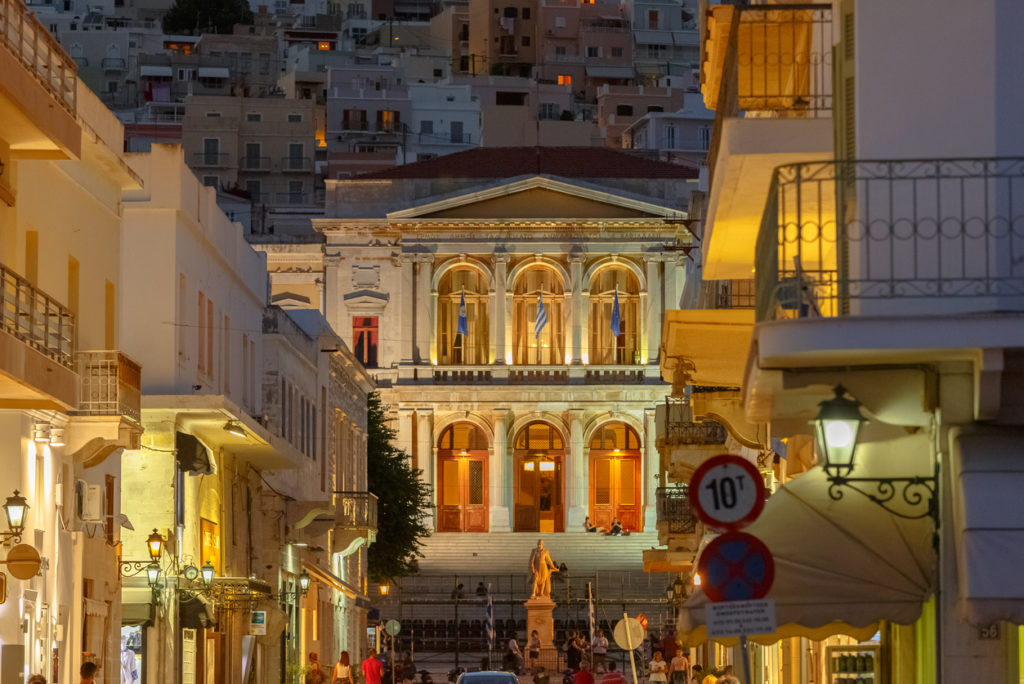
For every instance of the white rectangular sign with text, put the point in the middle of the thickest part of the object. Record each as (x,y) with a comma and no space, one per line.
(733,618)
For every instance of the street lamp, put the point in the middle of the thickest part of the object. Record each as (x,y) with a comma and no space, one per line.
(153,574)
(384,589)
(676,591)
(207,572)
(155,544)
(304,582)
(15,507)
(838,426)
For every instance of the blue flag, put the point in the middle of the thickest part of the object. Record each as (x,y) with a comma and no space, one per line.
(463,323)
(616,318)
(542,317)
(489,621)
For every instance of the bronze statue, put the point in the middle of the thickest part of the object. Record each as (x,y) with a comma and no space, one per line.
(541,567)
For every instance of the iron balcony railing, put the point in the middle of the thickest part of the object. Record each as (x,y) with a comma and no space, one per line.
(210,159)
(111,385)
(892,238)
(36,318)
(255,163)
(113,64)
(296,164)
(727,294)
(356,510)
(675,511)
(29,41)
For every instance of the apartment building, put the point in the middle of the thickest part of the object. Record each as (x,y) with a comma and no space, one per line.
(682,137)
(883,252)
(264,146)
(619,106)
(503,38)
(665,36)
(367,119)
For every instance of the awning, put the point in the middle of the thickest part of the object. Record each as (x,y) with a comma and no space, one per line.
(192,455)
(330,579)
(148,70)
(840,566)
(609,72)
(213,72)
(988,476)
(652,37)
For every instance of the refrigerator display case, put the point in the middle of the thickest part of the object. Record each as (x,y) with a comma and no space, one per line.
(854,664)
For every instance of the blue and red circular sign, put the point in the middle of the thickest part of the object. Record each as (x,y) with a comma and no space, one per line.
(727,492)
(736,566)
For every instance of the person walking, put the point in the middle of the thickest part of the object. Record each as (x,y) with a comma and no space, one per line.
(533,649)
(314,675)
(372,669)
(679,669)
(657,669)
(600,650)
(342,670)
(572,652)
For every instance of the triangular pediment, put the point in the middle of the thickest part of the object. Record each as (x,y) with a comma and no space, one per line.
(538,197)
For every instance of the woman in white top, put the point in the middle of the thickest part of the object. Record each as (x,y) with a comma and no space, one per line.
(342,670)
(658,669)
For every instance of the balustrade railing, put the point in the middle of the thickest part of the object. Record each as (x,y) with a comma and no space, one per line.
(356,510)
(674,510)
(29,41)
(36,318)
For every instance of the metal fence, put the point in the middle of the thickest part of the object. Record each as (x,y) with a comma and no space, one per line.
(675,511)
(36,318)
(892,237)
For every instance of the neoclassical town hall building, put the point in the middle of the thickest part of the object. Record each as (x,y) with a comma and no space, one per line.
(536,250)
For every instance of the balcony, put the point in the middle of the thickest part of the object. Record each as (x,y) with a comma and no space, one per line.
(36,345)
(210,160)
(892,238)
(355,521)
(767,72)
(537,375)
(675,513)
(296,164)
(255,163)
(679,530)
(111,385)
(37,74)
(113,64)
(684,444)
(298,199)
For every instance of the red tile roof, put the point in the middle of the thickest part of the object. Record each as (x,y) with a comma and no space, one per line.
(509,162)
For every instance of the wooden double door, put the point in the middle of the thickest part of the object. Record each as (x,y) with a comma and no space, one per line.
(463,497)
(539,504)
(615,489)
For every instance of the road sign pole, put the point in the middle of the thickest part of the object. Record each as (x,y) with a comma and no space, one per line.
(629,642)
(745,654)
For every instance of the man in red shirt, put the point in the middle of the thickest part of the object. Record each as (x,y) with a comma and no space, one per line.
(613,676)
(583,676)
(372,668)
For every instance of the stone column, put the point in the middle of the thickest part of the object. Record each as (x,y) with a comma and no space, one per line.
(426,453)
(653,313)
(652,467)
(405,294)
(498,476)
(498,307)
(404,441)
(577,475)
(675,280)
(577,330)
(424,308)
(332,295)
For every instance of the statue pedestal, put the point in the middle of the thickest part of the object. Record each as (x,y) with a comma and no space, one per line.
(539,617)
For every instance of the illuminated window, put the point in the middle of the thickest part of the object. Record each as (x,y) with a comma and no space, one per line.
(388,120)
(364,337)
(564,79)
(605,347)
(615,477)
(462,463)
(323,45)
(452,346)
(531,287)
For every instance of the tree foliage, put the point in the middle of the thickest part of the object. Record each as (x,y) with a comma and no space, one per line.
(402,499)
(193,17)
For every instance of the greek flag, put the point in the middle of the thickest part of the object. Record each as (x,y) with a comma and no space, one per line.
(616,318)
(463,323)
(542,317)
(590,611)
(489,621)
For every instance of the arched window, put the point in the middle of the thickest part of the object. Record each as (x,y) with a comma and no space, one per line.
(607,348)
(454,347)
(462,478)
(615,477)
(538,453)
(535,344)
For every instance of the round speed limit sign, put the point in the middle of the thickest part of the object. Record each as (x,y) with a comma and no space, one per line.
(727,492)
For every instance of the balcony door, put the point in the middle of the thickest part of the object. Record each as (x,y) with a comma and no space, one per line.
(615,477)
(462,475)
(538,459)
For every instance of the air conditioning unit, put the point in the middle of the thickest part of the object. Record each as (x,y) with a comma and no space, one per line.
(89,502)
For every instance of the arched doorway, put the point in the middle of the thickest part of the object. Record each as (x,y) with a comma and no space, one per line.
(615,477)
(538,455)
(462,479)
(454,347)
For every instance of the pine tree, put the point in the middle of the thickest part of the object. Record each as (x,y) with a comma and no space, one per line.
(192,17)
(403,499)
